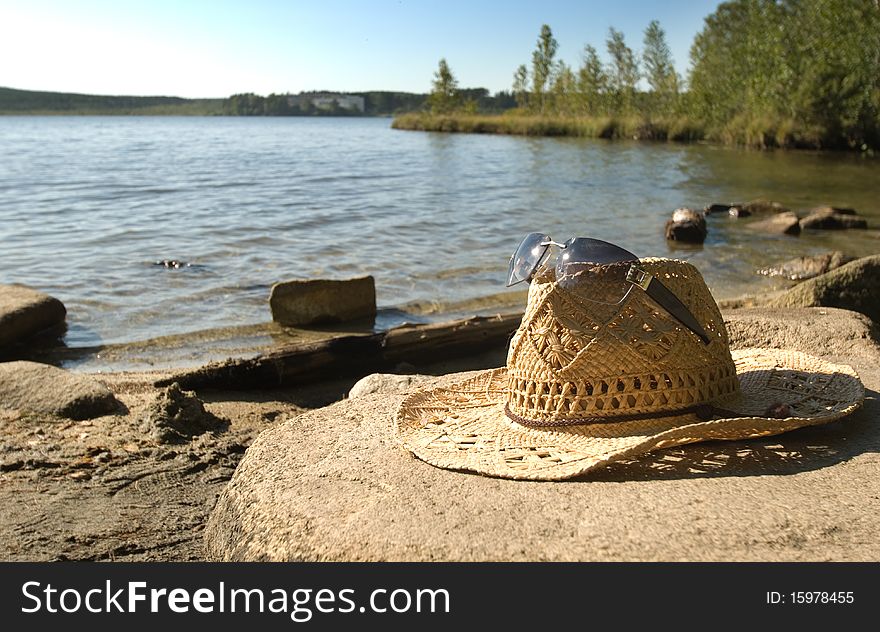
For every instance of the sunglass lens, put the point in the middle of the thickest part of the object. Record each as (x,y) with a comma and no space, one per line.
(527,258)
(586,250)
(582,267)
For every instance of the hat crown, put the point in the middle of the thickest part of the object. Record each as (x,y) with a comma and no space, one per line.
(574,358)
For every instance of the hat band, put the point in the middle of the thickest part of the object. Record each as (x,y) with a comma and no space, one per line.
(704,412)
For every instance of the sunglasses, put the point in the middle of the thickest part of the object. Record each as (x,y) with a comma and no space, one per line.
(598,270)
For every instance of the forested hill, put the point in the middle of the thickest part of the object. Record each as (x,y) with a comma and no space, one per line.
(14,101)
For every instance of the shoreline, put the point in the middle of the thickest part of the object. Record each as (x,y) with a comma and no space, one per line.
(781,134)
(195,349)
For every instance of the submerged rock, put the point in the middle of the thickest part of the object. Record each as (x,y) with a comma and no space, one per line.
(686,225)
(833,218)
(717,209)
(803,268)
(854,286)
(42,388)
(25,312)
(175,416)
(780,224)
(323,301)
(172,264)
(763,207)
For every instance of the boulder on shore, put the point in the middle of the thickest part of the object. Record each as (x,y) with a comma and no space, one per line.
(318,301)
(332,484)
(686,225)
(42,388)
(854,286)
(780,224)
(25,312)
(382,382)
(833,218)
(803,268)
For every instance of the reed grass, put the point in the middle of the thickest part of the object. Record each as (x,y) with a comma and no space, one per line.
(755,132)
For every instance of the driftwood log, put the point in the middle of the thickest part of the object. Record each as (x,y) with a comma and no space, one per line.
(354,355)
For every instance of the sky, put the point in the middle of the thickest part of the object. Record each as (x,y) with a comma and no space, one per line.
(202,48)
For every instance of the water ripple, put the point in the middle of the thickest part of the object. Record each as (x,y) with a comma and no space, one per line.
(88,204)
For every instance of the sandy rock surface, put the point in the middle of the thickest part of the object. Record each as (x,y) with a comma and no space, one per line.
(332,484)
(106,489)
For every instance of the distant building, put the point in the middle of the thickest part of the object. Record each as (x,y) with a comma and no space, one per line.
(325,100)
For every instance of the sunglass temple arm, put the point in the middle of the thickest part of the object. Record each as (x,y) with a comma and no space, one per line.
(664,297)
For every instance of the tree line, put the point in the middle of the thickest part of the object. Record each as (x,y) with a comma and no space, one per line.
(762,72)
(376,103)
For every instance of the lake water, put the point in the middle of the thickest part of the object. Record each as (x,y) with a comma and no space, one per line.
(88,204)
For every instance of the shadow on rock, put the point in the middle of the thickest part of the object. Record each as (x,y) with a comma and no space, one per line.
(802,450)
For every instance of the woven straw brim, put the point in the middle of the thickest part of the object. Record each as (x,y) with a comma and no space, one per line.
(463,427)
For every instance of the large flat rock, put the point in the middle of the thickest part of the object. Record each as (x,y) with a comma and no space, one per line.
(332,484)
(41,388)
(25,312)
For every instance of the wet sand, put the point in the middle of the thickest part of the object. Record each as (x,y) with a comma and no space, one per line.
(103,490)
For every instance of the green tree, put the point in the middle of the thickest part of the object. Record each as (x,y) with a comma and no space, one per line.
(834,52)
(592,82)
(444,97)
(563,88)
(276,105)
(623,73)
(521,86)
(543,59)
(739,62)
(659,69)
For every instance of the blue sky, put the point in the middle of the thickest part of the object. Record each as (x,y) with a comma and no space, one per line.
(200,48)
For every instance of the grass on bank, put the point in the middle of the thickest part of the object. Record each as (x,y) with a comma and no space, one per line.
(750,132)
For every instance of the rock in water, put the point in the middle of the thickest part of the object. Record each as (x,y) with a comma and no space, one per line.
(738,211)
(323,301)
(175,416)
(833,218)
(763,207)
(25,312)
(42,388)
(686,225)
(715,209)
(803,268)
(780,224)
(854,286)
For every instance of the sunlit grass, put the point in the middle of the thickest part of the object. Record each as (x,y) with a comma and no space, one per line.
(757,132)
(611,127)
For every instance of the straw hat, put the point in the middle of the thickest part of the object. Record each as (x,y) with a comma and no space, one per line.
(588,383)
